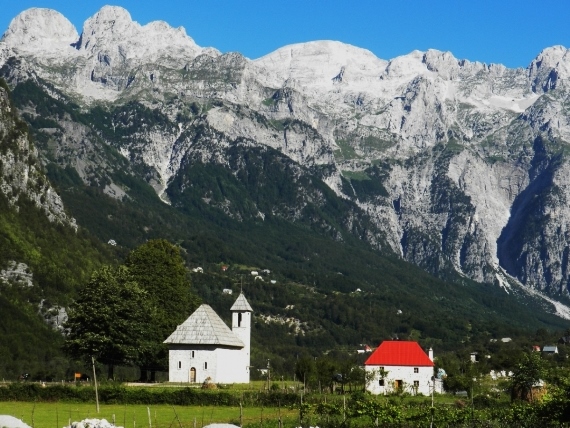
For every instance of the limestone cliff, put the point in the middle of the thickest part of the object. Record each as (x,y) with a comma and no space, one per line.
(458,165)
(20,173)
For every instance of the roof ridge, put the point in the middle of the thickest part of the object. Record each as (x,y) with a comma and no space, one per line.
(399,353)
(241,304)
(204,327)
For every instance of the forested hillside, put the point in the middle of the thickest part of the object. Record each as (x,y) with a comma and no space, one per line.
(44,258)
(328,288)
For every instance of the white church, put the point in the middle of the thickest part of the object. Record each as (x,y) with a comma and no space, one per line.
(204,347)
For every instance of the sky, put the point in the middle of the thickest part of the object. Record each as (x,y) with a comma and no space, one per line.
(510,32)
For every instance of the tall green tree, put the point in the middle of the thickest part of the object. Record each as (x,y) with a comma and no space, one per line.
(106,320)
(159,269)
(326,369)
(305,370)
(528,372)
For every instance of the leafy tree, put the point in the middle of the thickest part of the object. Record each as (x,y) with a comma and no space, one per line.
(305,369)
(527,373)
(105,320)
(346,369)
(326,369)
(159,269)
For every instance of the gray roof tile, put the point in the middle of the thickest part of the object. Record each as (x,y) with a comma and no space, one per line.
(241,304)
(204,327)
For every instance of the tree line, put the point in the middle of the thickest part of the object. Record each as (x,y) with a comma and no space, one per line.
(124,313)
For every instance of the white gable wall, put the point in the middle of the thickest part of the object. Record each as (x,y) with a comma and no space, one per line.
(241,327)
(183,358)
(402,373)
(232,366)
(224,365)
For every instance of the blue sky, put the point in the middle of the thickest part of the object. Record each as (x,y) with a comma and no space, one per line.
(500,31)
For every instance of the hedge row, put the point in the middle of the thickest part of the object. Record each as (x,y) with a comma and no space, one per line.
(123,395)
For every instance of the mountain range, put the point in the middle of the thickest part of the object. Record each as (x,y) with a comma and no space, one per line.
(460,168)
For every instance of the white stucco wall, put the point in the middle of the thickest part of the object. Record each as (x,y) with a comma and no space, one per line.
(232,366)
(403,373)
(224,365)
(243,331)
(181,362)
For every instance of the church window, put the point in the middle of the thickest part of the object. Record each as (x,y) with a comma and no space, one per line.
(381,382)
(192,354)
(179,365)
(239,320)
(205,365)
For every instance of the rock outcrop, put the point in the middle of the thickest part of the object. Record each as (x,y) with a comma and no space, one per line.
(20,173)
(459,165)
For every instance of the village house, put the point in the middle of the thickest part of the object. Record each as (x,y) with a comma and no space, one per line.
(400,366)
(203,348)
(550,350)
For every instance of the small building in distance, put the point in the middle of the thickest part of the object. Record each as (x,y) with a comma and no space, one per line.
(204,347)
(552,349)
(400,365)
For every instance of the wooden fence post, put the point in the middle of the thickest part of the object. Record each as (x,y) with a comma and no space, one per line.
(240,414)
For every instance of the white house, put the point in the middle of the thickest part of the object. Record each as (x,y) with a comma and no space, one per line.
(204,347)
(405,366)
(553,349)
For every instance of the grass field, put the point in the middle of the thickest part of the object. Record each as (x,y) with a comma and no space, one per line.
(59,415)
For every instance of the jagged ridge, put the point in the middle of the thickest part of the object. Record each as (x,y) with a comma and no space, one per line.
(464,147)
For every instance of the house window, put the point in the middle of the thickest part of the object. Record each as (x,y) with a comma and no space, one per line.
(205,366)
(416,384)
(416,370)
(179,365)
(381,382)
(192,354)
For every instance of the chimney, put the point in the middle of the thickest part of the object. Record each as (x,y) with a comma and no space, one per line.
(430,354)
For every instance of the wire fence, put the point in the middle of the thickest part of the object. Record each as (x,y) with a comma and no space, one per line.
(58,415)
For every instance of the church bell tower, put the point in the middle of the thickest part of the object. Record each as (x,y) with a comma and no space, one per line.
(241,327)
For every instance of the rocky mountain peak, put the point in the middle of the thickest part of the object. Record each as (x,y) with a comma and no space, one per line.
(443,63)
(551,65)
(39,29)
(458,142)
(111,22)
(111,34)
(112,14)
(315,64)
(406,66)
(550,57)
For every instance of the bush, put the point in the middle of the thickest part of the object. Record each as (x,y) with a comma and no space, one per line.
(117,394)
(484,401)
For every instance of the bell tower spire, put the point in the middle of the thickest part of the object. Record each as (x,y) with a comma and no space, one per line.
(241,327)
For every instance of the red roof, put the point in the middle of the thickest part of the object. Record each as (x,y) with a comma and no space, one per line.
(399,353)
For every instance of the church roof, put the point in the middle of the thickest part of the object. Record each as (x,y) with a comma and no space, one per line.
(241,304)
(204,327)
(399,353)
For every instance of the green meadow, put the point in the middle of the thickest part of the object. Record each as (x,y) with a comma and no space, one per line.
(59,415)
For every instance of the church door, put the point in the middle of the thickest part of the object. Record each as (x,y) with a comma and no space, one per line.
(193,375)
